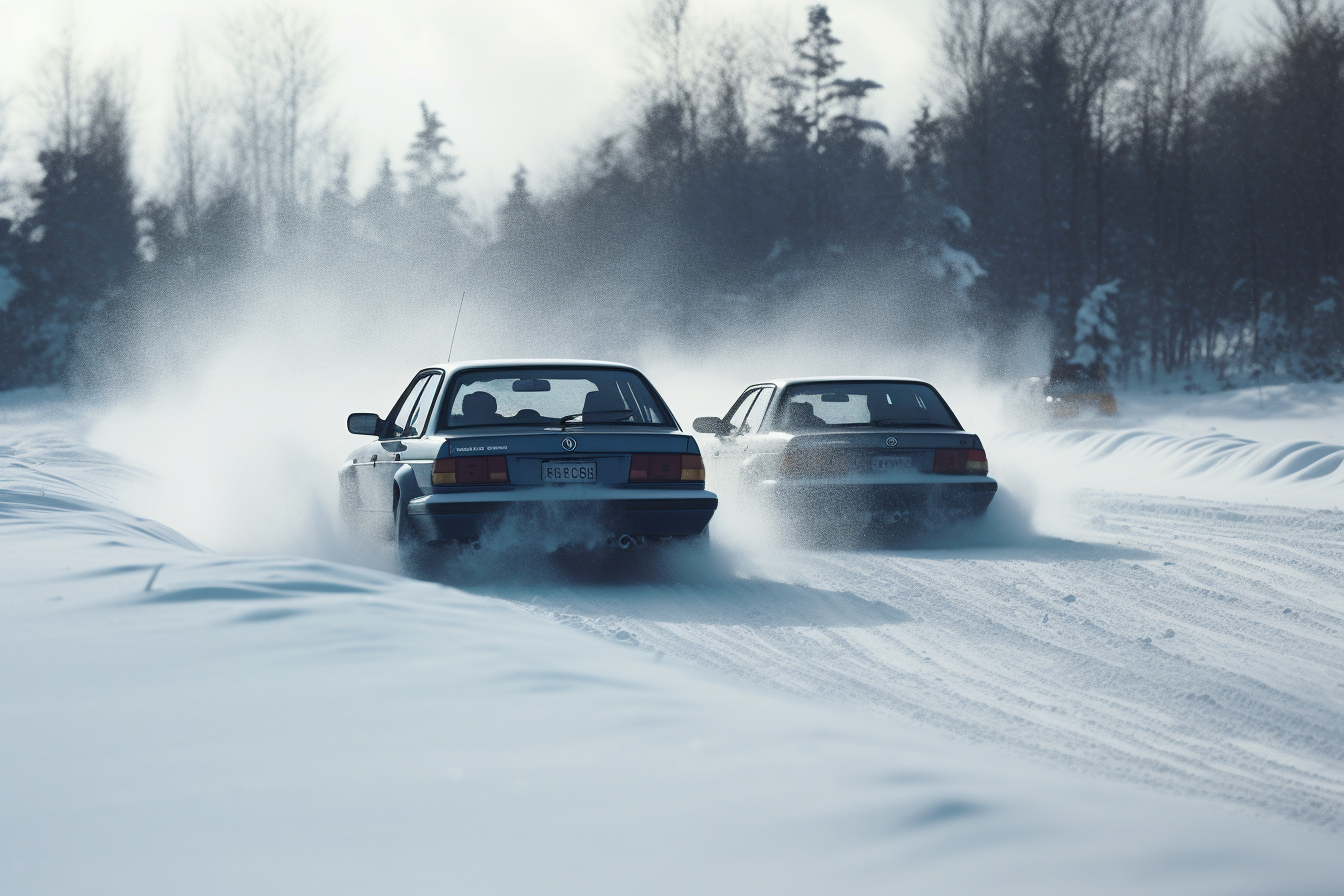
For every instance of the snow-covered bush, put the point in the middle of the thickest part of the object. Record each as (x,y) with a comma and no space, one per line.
(1094,328)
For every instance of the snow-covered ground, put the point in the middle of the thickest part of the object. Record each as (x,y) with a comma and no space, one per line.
(1105,688)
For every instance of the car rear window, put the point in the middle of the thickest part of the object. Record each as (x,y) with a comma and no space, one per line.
(814,406)
(527,396)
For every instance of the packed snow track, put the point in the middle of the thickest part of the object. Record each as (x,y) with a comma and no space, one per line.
(1191,646)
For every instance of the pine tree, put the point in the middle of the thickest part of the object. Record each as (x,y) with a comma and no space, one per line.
(432,168)
(816,134)
(78,248)
(381,210)
(433,214)
(519,215)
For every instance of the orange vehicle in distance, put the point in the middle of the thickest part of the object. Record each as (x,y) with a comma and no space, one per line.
(1074,390)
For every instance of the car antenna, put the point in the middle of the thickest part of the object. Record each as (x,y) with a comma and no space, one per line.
(456,321)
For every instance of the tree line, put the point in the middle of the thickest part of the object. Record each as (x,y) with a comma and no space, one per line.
(1111,160)
(1097,169)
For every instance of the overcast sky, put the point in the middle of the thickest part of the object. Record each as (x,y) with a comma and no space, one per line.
(515,81)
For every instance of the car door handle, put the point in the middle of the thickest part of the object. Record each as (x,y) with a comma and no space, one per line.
(373,459)
(396,457)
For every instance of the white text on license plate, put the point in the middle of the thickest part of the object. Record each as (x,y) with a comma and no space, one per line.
(896,462)
(555,471)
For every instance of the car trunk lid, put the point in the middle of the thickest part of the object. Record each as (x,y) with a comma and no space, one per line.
(580,455)
(878,451)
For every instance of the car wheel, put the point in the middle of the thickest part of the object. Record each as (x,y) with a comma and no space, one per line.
(415,559)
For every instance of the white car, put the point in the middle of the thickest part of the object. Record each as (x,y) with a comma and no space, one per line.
(852,452)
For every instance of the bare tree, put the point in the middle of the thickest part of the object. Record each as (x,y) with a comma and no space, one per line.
(193,110)
(1095,42)
(61,93)
(282,67)
(671,99)
(1169,94)
(969,30)
(5,188)
(662,33)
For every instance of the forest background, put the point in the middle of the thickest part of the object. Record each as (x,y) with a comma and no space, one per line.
(1099,171)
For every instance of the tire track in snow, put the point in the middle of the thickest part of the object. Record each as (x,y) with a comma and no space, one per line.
(1175,666)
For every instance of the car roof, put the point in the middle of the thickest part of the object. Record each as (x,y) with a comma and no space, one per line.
(804,380)
(527,362)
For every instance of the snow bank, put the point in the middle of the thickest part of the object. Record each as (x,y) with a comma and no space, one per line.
(1220,466)
(1288,447)
(1275,413)
(180,721)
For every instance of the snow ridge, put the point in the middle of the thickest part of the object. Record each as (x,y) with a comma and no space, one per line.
(1214,456)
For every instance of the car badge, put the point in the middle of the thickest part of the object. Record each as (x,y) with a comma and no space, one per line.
(568,443)
(891,442)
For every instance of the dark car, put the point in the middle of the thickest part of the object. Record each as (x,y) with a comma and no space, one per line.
(570,450)
(847,452)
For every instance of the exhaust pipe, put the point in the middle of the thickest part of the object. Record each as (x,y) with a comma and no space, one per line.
(625,542)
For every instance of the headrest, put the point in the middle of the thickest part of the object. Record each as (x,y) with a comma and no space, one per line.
(479,404)
(596,401)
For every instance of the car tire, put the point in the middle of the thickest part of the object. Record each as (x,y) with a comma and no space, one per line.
(415,558)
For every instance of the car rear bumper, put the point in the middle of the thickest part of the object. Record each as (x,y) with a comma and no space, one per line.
(945,498)
(637,512)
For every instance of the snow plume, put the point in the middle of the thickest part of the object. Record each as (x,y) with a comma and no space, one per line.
(235,394)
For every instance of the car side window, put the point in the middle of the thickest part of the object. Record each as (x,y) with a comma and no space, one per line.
(756,415)
(415,423)
(397,427)
(740,410)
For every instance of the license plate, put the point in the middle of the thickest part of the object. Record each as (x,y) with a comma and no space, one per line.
(568,471)
(896,462)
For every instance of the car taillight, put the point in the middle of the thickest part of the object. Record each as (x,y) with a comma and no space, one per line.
(492,470)
(667,468)
(950,460)
(959,460)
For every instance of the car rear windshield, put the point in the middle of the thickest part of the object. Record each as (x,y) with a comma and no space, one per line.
(814,406)
(550,396)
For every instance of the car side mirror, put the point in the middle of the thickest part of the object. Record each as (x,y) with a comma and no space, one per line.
(364,424)
(711,425)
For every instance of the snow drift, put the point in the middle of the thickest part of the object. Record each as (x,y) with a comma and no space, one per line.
(1219,465)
